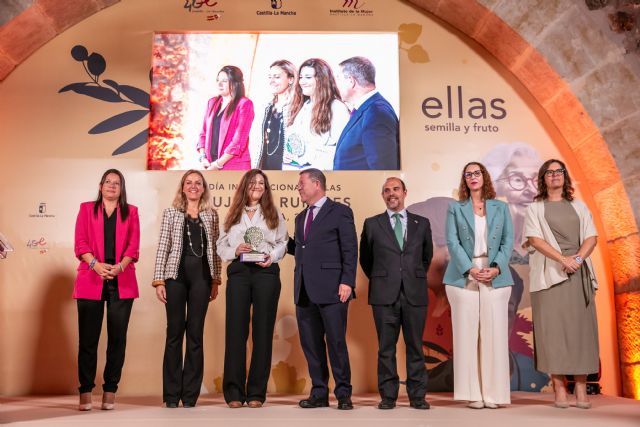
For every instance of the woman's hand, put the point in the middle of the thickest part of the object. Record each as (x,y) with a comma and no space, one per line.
(486,275)
(204,162)
(473,272)
(267,262)
(569,264)
(161,293)
(214,291)
(114,271)
(103,270)
(243,248)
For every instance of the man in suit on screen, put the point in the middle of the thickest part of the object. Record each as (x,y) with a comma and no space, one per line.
(370,138)
(326,252)
(395,253)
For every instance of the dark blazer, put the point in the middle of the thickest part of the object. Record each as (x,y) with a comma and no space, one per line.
(370,138)
(329,256)
(387,266)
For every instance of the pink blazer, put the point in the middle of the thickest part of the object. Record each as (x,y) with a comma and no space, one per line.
(90,238)
(234,133)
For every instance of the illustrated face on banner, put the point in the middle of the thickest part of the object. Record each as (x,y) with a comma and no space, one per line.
(518,182)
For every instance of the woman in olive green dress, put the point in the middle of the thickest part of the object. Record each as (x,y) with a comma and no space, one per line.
(561,233)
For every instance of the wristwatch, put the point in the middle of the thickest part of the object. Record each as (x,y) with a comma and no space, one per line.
(578,259)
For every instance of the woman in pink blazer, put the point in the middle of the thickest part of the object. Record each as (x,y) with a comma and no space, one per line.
(107,242)
(224,140)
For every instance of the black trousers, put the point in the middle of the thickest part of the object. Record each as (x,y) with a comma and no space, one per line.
(249,285)
(389,319)
(187,304)
(90,314)
(317,323)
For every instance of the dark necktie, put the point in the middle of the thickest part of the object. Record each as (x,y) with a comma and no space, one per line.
(397,230)
(307,226)
(352,112)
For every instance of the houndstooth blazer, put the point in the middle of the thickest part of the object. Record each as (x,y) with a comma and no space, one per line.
(169,251)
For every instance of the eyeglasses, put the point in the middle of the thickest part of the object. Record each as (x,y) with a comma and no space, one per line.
(557,172)
(476,174)
(518,181)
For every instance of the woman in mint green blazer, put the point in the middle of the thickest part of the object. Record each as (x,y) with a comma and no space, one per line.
(480,241)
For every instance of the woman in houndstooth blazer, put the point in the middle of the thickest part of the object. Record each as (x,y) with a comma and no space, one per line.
(187,273)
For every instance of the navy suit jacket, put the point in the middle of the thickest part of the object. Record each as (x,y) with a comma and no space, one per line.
(329,255)
(370,138)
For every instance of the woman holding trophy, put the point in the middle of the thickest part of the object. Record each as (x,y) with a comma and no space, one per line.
(253,239)
(317,117)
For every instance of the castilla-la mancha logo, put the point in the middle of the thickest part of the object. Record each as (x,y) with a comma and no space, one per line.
(276,9)
(351,8)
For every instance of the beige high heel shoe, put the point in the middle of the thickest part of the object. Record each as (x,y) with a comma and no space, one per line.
(85,402)
(108,400)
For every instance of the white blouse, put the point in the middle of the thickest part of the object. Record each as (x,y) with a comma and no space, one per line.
(274,244)
(319,150)
(480,228)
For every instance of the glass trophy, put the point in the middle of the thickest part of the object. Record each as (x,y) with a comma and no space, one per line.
(253,236)
(294,149)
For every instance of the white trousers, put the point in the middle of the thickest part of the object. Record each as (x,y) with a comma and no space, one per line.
(479,317)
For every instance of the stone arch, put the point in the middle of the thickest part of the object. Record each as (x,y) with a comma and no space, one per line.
(31,24)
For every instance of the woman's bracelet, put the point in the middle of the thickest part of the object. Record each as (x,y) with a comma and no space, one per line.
(217,165)
(92,263)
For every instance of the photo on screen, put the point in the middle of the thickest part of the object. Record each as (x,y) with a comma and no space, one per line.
(275,101)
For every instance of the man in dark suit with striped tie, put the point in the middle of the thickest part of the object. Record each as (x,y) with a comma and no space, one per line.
(326,252)
(395,253)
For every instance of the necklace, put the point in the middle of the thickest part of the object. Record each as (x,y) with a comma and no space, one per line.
(251,208)
(189,236)
(274,112)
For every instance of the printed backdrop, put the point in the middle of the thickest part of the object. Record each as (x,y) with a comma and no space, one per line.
(80,105)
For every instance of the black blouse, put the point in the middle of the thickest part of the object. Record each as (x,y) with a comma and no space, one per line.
(110,236)
(215,134)
(198,238)
(273,140)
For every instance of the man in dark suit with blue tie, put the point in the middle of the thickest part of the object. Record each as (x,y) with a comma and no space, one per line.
(326,252)
(370,138)
(395,253)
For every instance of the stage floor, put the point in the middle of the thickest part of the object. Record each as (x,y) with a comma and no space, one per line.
(527,409)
